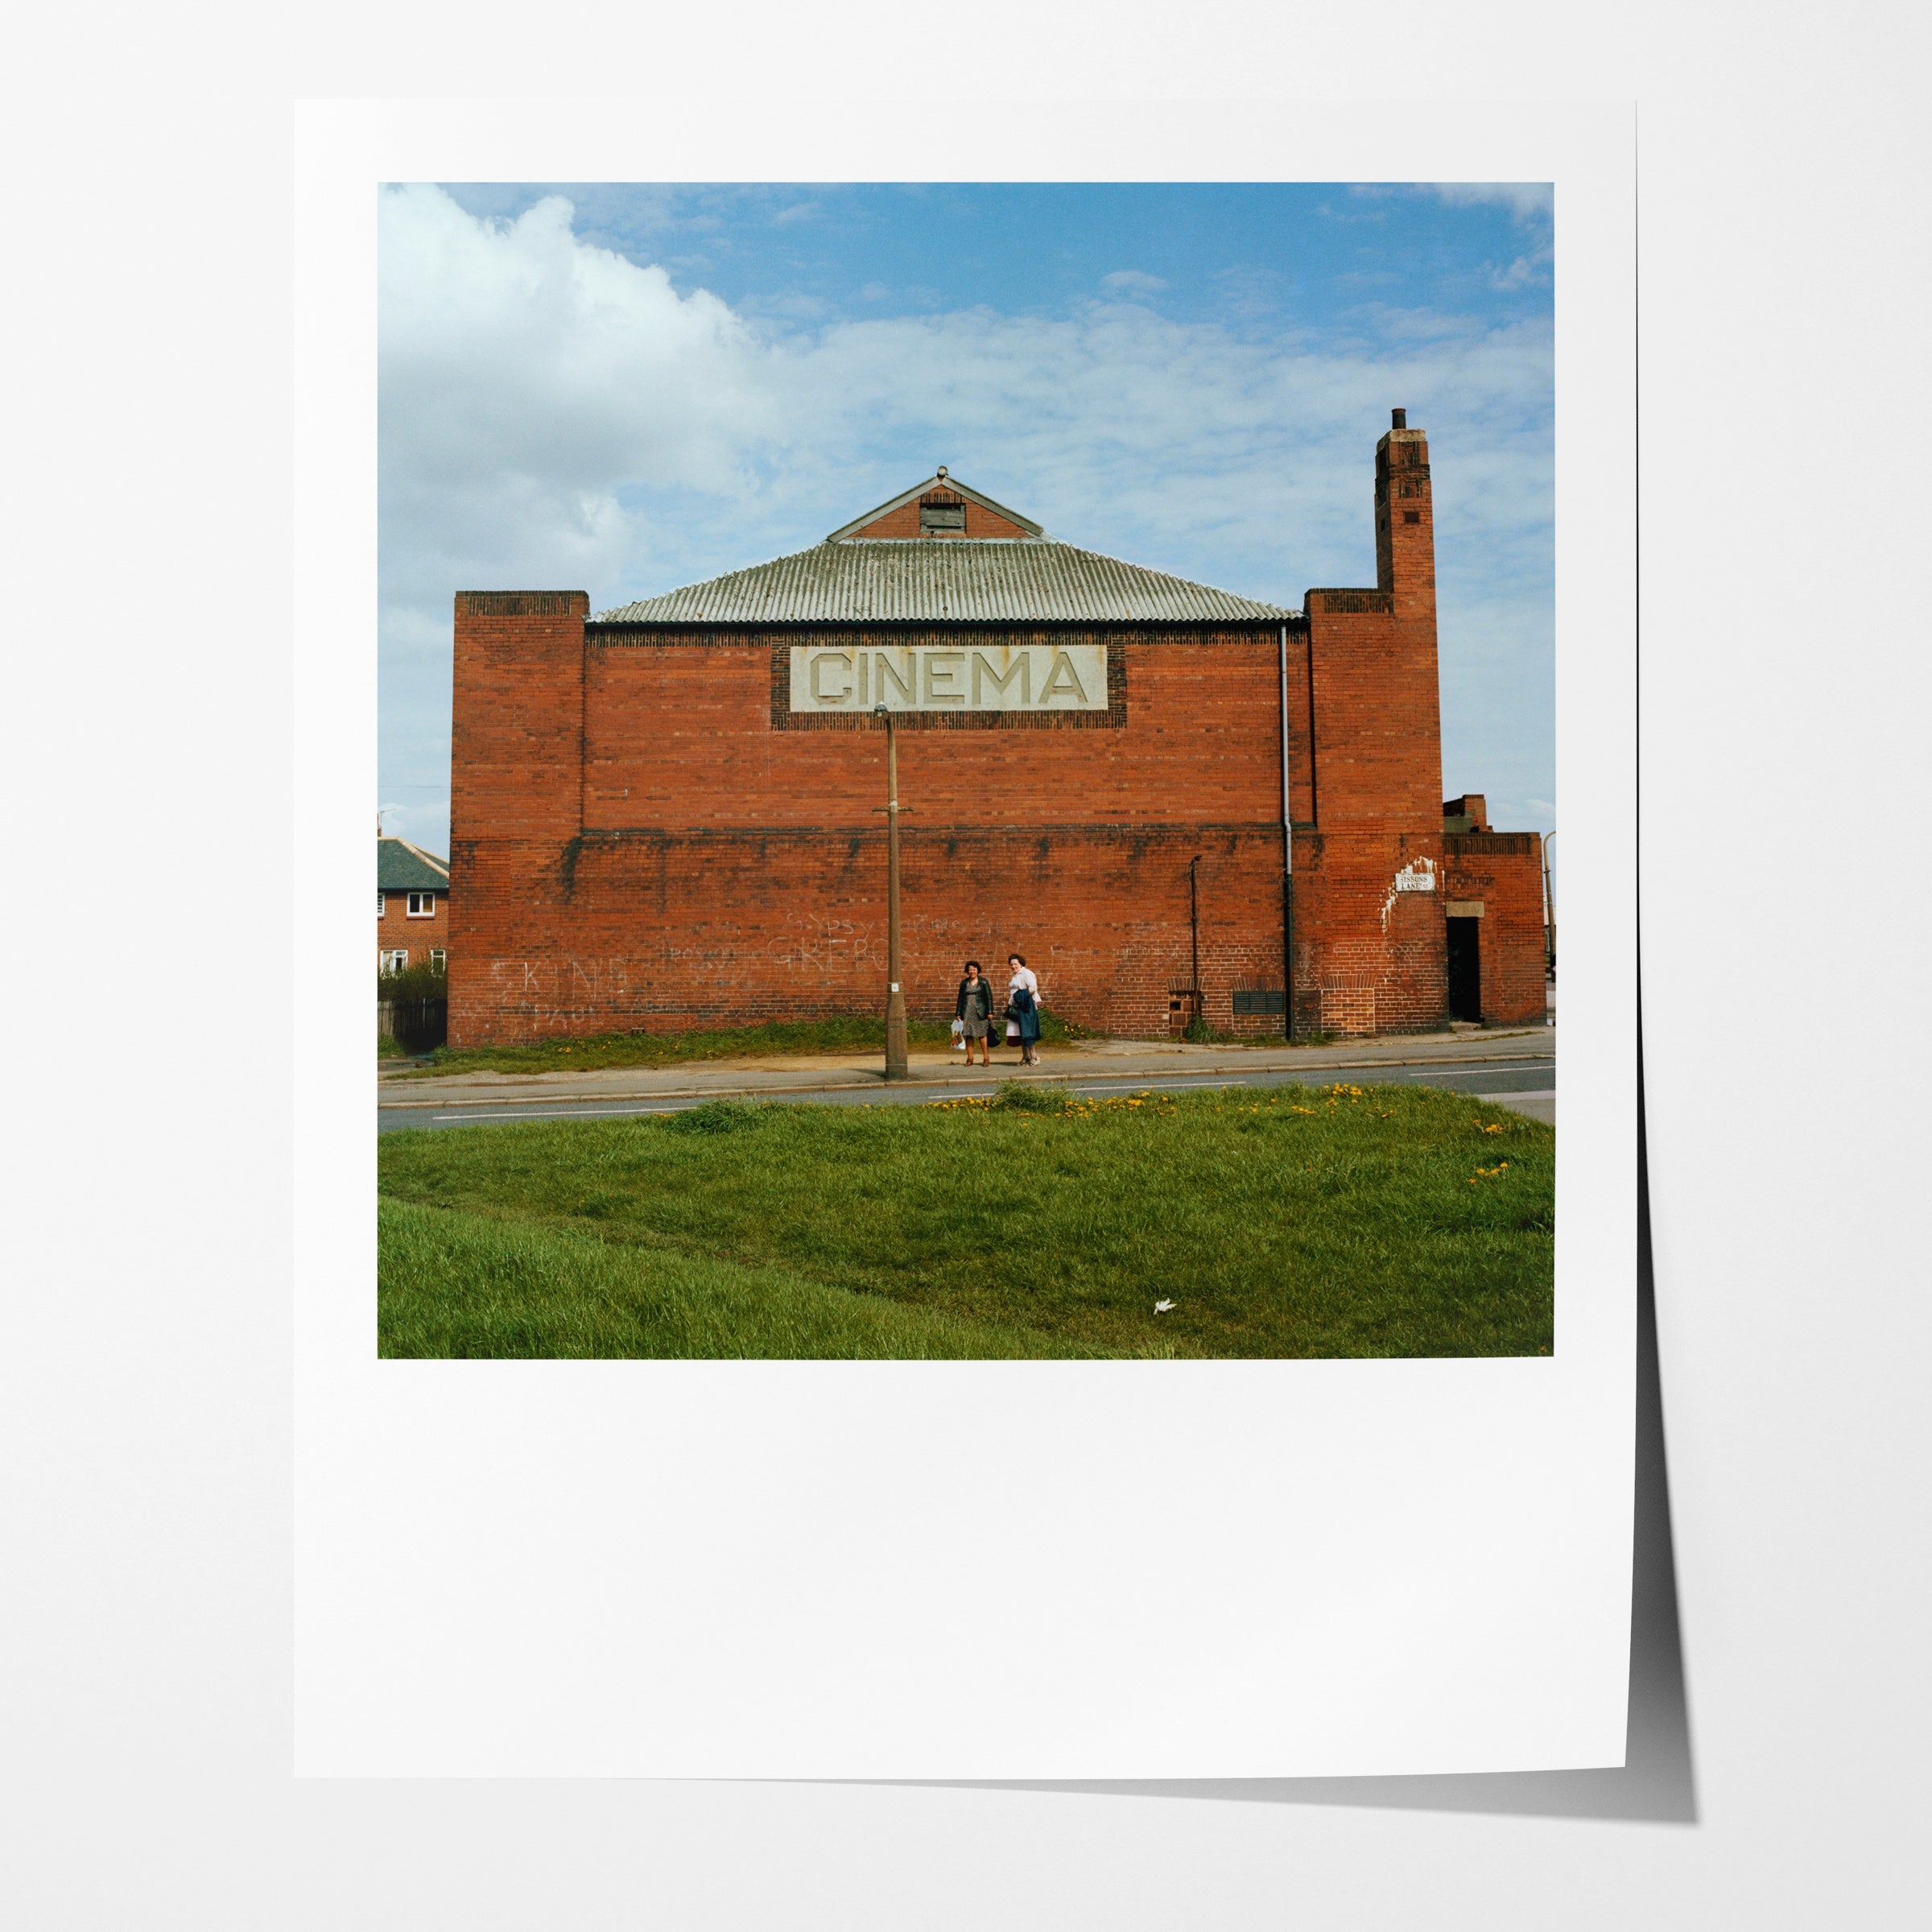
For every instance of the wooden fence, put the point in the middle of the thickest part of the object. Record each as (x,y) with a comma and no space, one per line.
(418,1025)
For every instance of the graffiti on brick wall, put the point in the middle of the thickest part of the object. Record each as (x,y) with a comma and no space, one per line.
(561,987)
(825,943)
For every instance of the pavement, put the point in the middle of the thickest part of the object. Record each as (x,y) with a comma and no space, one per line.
(1514,1068)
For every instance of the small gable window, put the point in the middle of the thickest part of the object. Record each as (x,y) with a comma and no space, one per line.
(941,519)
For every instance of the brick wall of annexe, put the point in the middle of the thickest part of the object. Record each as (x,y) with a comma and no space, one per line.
(666,817)
(1498,877)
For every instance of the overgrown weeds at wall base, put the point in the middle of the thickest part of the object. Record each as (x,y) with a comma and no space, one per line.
(421,981)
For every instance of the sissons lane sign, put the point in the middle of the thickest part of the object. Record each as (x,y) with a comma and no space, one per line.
(939,677)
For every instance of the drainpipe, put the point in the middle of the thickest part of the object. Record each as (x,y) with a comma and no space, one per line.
(1549,907)
(1287,863)
(1194,925)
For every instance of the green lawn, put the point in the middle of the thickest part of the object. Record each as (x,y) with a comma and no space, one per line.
(1296,1221)
(842,1033)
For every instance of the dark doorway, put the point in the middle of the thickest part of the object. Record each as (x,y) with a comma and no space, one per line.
(1465,970)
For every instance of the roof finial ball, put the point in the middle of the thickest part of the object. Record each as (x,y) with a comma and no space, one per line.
(1398,419)
(942,469)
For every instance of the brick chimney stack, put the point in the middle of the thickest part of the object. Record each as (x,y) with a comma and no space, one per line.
(1405,520)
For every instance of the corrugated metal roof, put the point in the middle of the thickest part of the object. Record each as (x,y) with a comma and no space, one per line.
(929,580)
(402,867)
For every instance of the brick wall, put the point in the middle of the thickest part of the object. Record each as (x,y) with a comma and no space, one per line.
(397,932)
(904,522)
(661,929)
(1369,938)
(679,733)
(517,718)
(1503,871)
(726,870)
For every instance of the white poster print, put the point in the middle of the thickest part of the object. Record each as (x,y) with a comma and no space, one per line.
(949,1569)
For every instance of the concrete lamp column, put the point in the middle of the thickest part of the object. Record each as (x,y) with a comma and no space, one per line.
(896,1068)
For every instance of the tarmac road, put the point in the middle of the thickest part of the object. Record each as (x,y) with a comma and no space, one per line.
(1518,1071)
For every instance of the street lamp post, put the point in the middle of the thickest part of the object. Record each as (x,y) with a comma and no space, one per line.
(895,996)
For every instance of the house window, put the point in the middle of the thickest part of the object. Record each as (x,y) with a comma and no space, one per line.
(422,905)
(436,958)
(395,962)
(381,903)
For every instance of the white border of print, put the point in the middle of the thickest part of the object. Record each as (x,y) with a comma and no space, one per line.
(973,1570)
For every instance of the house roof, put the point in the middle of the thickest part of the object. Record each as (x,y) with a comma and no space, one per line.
(901,580)
(402,867)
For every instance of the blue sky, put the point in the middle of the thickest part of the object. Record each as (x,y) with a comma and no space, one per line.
(622,388)
(1252,257)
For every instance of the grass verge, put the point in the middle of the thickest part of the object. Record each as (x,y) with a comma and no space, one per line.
(470,1285)
(846,1033)
(1300,1221)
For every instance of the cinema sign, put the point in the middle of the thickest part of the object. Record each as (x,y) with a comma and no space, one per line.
(939,677)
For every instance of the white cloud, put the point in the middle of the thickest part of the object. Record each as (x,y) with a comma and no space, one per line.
(1533,267)
(1132,282)
(1525,200)
(526,374)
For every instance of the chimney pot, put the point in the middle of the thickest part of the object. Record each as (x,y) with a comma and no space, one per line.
(1398,419)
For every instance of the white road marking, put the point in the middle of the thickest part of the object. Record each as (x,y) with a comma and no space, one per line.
(591,1109)
(605,1109)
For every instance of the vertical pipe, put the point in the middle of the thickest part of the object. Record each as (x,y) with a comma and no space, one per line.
(895,996)
(1194,925)
(1287,862)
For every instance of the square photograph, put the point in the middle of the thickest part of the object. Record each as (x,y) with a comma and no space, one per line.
(966,771)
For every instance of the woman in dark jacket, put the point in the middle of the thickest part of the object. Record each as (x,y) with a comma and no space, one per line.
(974,1010)
(1023,1007)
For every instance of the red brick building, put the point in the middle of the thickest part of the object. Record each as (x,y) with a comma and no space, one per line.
(412,906)
(666,816)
